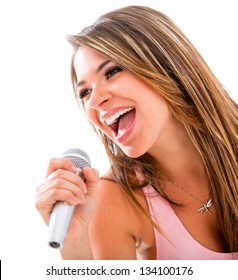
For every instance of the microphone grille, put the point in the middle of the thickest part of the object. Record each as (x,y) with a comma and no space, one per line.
(78,157)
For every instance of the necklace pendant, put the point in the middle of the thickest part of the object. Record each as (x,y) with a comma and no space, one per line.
(206,207)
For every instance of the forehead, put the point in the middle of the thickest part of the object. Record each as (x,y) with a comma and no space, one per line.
(86,57)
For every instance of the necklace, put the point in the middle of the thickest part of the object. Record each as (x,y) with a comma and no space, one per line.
(205,206)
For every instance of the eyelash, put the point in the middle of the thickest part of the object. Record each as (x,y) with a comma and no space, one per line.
(84,93)
(108,73)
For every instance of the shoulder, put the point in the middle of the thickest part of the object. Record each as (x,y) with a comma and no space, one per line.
(117,221)
(113,195)
(113,204)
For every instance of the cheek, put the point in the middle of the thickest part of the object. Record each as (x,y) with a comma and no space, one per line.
(92,116)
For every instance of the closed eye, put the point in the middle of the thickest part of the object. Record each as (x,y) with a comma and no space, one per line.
(112,71)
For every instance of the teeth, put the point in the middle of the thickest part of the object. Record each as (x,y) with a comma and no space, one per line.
(114,117)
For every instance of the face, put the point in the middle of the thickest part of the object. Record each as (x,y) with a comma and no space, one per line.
(122,106)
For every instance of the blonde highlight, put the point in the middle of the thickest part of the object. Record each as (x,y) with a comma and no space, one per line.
(148,44)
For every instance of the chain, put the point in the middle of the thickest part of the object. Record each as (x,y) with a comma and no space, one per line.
(206,205)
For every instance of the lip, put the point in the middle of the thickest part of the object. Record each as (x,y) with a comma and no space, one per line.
(109,113)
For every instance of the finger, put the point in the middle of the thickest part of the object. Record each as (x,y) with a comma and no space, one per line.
(45,201)
(68,176)
(60,184)
(60,163)
(91,176)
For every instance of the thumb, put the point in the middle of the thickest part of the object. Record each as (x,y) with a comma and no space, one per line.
(91,176)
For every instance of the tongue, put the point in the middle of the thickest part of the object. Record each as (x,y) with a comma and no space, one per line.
(125,121)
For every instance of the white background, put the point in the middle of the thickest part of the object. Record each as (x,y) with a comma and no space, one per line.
(39,116)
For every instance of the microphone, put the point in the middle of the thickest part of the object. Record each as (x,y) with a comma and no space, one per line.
(62,211)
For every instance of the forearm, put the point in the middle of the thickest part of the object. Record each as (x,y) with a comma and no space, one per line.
(77,249)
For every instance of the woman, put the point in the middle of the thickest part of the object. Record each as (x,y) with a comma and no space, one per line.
(170,132)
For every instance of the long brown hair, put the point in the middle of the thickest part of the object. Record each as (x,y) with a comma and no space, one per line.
(148,44)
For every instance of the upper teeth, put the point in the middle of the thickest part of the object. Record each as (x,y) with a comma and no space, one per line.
(114,117)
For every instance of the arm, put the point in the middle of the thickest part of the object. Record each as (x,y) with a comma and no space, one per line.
(110,233)
(63,184)
(106,231)
(78,248)
(114,226)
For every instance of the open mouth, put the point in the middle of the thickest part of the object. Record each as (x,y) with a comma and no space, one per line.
(121,121)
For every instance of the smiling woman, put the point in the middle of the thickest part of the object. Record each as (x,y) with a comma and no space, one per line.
(118,102)
(170,131)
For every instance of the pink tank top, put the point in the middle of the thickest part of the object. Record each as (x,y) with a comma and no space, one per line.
(180,244)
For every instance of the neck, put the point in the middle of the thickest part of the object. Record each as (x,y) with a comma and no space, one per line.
(177,155)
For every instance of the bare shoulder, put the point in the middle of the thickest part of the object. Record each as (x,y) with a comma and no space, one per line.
(119,230)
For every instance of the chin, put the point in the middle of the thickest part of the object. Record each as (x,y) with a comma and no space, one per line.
(133,153)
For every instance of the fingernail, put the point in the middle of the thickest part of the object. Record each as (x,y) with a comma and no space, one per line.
(95,171)
(82,199)
(84,188)
(74,169)
(75,201)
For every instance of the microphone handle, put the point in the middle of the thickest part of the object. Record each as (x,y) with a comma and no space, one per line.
(62,214)
(59,224)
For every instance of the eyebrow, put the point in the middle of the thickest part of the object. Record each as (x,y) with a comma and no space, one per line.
(100,67)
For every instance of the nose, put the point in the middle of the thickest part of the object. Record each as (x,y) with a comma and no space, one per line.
(99,96)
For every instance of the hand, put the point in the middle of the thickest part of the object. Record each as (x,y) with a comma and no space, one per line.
(63,184)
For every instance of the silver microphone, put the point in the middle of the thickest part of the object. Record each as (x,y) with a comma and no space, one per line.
(62,211)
